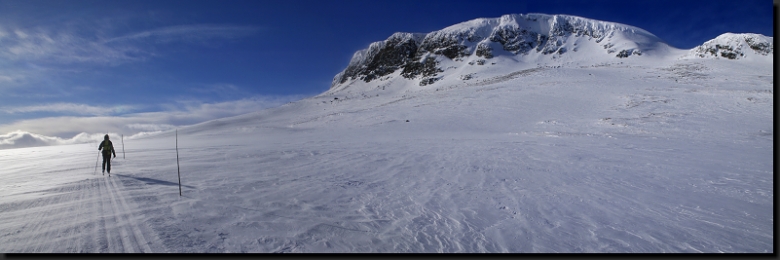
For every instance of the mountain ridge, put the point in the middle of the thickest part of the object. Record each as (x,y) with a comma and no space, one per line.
(734,46)
(528,38)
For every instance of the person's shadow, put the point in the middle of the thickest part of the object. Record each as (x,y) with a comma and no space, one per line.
(154,181)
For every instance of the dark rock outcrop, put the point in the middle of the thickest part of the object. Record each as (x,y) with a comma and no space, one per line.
(381,58)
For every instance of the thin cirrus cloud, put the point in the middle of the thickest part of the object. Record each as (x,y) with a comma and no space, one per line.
(4,78)
(188,33)
(39,45)
(70,108)
(30,56)
(66,46)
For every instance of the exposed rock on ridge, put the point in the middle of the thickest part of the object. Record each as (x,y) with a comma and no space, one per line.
(382,58)
(518,34)
(734,46)
(526,38)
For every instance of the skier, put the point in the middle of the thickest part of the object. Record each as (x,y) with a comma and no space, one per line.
(108,149)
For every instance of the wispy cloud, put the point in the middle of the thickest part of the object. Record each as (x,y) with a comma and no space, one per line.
(151,127)
(188,33)
(71,108)
(48,57)
(4,78)
(45,46)
(67,46)
(224,91)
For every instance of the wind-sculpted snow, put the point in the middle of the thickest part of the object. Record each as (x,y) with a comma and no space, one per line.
(663,156)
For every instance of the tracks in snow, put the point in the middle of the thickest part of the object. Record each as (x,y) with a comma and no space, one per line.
(128,223)
(89,216)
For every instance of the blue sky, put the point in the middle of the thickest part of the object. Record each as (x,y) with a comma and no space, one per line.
(127,66)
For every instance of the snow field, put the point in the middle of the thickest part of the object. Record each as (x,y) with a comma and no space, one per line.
(673,157)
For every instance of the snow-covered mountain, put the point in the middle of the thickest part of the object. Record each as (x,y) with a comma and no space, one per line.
(734,46)
(522,39)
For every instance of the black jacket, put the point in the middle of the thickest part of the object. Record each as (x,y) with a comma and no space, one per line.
(107,147)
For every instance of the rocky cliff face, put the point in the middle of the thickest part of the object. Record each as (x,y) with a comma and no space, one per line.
(382,58)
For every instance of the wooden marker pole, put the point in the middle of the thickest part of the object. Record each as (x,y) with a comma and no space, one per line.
(123,147)
(177,160)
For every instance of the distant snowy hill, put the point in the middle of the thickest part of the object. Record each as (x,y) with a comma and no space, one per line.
(735,46)
(525,39)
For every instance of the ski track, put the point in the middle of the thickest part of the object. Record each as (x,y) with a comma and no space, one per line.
(98,218)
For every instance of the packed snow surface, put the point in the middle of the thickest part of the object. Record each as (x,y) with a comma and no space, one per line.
(661,156)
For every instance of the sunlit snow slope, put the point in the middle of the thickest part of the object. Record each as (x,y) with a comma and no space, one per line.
(631,155)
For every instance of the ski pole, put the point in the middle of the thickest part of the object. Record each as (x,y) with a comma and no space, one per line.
(96,161)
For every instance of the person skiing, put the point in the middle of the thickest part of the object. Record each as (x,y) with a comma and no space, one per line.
(108,149)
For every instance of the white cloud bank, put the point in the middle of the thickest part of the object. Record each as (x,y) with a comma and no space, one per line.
(71,129)
(21,139)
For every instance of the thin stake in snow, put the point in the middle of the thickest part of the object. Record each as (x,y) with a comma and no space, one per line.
(123,146)
(178,171)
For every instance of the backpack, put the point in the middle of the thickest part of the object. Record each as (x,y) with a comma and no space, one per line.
(106,146)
